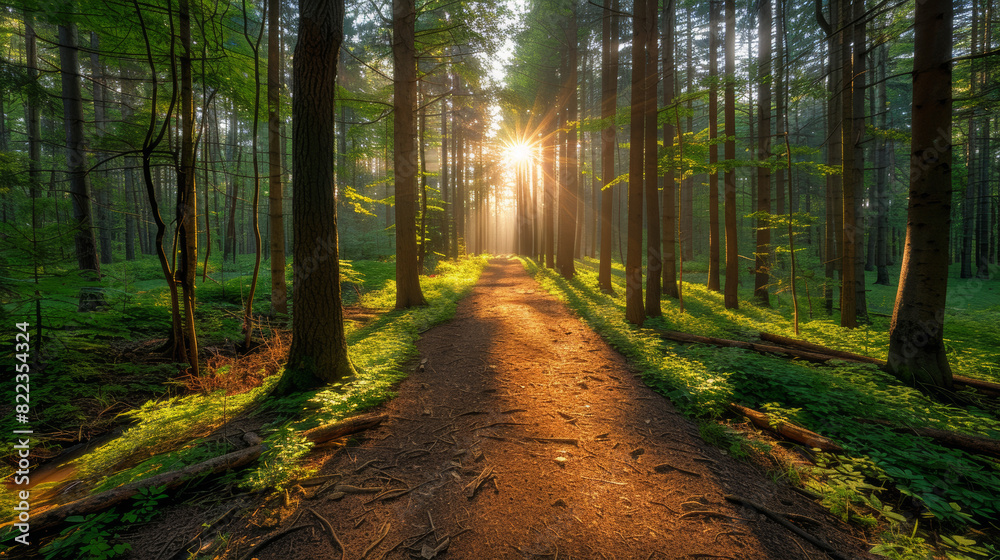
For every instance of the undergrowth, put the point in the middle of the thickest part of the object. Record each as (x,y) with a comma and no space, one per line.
(952,491)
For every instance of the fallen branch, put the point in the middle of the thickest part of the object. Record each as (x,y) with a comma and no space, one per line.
(253,551)
(816,348)
(787,430)
(976,445)
(777,517)
(762,348)
(329,530)
(987,388)
(343,428)
(173,479)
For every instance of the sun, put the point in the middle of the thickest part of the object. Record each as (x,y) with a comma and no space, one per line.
(518,153)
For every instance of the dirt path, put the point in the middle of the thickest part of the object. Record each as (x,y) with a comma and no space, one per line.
(525,436)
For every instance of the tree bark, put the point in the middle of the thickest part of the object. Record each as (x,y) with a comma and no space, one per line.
(654,267)
(762,264)
(404,55)
(732,248)
(276,219)
(669,210)
(609,104)
(916,346)
(634,310)
(713,148)
(76,155)
(318,354)
(569,192)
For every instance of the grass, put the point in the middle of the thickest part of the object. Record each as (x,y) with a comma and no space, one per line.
(168,431)
(951,490)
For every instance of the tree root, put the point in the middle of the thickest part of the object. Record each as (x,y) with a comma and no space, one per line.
(781,520)
(329,530)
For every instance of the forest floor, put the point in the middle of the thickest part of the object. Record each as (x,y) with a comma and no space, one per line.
(522,434)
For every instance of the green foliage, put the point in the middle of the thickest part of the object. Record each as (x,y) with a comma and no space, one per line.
(278,464)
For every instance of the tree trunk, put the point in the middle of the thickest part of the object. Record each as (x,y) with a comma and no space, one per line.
(732,248)
(404,77)
(569,193)
(916,345)
(762,261)
(669,226)
(882,177)
(634,310)
(187,206)
(33,117)
(609,100)
(654,267)
(713,148)
(276,200)
(858,131)
(848,232)
(318,354)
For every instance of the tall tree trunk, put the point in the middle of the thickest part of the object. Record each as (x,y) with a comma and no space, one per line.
(550,185)
(634,310)
(834,141)
(686,208)
(669,225)
(100,125)
(187,206)
(654,268)
(76,161)
(763,251)
(882,176)
(276,199)
(848,317)
(732,248)
(404,56)
(318,354)
(254,44)
(916,346)
(445,183)
(858,131)
(609,100)
(713,148)
(33,116)
(569,193)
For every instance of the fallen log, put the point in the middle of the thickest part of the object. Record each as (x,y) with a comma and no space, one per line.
(986,388)
(976,445)
(763,348)
(789,431)
(809,346)
(781,520)
(346,427)
(173,479)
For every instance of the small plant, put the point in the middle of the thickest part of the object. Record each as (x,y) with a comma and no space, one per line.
(87,537)
(144,507)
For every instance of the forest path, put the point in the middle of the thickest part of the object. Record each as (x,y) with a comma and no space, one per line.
(524,435)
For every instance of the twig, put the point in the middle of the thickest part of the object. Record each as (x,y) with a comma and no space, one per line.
(777,517)
(710,514)
(253,551)
(602,480)
(664,467)
(329,529)
(473,487)
(383,533)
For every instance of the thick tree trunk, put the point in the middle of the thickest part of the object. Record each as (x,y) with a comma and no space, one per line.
(318,354)
(404,57)
(858,128)
(187,205)
(634,310)
(916,346)
(882,177)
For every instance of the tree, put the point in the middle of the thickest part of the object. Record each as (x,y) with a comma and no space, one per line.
(569,191)
(404,75)
(732,249)
(634,311)
(669,229)
(916,333)
(653,265)
(276,229)
(763,250)
(76,162)
(609,99)
(713,148)
(318,353)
